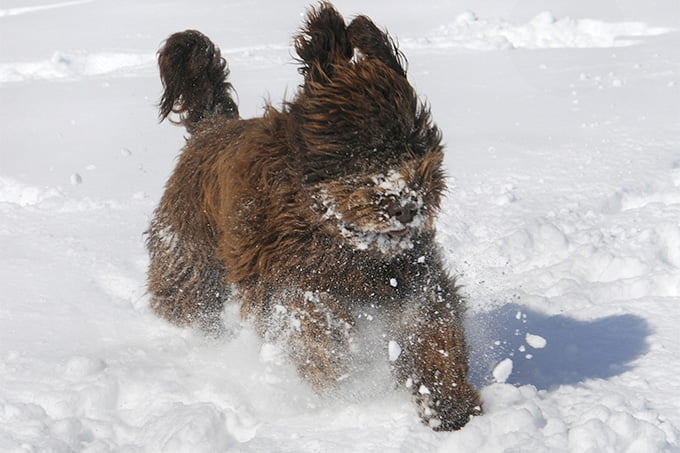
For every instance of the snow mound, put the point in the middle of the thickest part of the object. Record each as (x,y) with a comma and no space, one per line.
(614,425)
(14,192)
(543,31)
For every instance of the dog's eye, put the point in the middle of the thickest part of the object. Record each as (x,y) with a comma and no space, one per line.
(378,180)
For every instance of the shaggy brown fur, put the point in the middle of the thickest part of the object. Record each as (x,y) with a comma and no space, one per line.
(309,213)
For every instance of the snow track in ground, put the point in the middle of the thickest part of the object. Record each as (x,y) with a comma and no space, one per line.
(78,65)
(74,66)
(33,9)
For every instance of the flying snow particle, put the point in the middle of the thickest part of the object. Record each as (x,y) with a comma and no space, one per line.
(423,390)
(76,179)
(270,353)
(434,423)
(535,341)
(502,371)
(393,350)
(393,282)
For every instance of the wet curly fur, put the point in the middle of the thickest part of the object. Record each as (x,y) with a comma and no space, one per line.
(313,211)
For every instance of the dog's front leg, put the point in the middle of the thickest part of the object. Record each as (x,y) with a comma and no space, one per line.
(433,362)
(316,330)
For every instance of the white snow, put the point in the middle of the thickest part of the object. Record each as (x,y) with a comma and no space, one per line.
(32,9)
(562,221)
(542,31)
(393,350)
(502,371)
(376,236)
(535,341)
(75,66)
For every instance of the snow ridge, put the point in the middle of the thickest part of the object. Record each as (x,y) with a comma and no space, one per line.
(76,65)
(543,31)
(37,8)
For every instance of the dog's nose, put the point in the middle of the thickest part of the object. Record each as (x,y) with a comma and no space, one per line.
(402,212)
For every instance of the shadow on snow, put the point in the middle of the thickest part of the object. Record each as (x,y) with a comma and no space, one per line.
(574,350)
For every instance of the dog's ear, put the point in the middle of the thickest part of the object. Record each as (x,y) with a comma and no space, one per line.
(322,43)
(372,42)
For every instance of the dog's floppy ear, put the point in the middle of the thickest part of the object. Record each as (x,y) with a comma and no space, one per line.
(372,42)
(322,43)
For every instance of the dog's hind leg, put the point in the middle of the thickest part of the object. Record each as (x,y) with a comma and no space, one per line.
(316,331)
(434,360)
(194,77)
(185,280)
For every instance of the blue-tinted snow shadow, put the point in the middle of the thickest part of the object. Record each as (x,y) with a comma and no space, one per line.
(574,351)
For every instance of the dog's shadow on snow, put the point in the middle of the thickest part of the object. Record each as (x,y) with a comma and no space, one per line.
(574,350)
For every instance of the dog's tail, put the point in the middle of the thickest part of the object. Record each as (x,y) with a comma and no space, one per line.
(194,77)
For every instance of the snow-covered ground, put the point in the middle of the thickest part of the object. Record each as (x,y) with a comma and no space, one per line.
(562,121)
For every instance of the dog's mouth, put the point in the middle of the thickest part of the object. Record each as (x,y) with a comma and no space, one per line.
(398,233)
(387,242)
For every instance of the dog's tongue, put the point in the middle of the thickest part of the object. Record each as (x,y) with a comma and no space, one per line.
(398,233)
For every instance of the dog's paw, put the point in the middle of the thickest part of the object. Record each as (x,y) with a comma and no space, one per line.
(446,412)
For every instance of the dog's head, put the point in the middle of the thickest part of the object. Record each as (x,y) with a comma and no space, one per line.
(369,149)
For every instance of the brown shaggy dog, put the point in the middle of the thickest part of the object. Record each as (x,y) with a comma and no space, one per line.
(308,214)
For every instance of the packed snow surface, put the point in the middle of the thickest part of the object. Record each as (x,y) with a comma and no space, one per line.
(562,221)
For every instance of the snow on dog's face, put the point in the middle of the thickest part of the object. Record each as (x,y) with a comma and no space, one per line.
(372,156)
(384,211)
